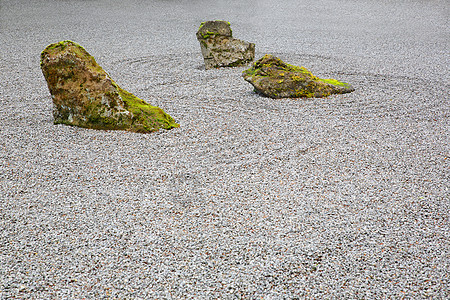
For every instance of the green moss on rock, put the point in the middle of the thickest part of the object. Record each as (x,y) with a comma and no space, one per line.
(146,117)
(272,77)
(215,28)
(336,82)
(220,49)
(84,95)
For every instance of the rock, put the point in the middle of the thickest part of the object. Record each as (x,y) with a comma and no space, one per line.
(84,95)
(273,78)
(220,49)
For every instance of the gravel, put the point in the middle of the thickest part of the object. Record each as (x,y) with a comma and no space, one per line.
(340,197)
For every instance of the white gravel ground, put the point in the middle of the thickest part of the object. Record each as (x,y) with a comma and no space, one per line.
(344,197)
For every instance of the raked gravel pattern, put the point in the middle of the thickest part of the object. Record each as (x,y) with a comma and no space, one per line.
(345,197)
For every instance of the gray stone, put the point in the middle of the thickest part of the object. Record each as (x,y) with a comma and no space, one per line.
(220,49)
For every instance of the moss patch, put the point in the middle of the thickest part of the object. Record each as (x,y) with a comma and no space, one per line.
(147,118)
(72,48)
(335,82)
(274,78)
(84,95)
(214,28)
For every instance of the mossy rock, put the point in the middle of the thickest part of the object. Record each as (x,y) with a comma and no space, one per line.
(84,95)
(271,77)
(220,49)
(214,28)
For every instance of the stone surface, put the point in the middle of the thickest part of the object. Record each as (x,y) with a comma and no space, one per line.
(220,49)
(272,77)
(84,95)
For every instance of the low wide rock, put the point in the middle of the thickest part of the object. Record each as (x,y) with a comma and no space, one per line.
(272,77)
(84,95)
(220,49)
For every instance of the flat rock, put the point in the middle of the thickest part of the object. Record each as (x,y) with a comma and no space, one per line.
(271,77)
(220,49)
(84,95)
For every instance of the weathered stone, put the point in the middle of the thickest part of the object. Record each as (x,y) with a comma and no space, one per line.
(220,49)
(273,78)
(84,95)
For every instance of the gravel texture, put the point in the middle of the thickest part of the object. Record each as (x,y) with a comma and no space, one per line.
(339,197)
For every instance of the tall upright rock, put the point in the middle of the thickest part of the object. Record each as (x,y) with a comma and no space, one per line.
(84,95)
(220,49)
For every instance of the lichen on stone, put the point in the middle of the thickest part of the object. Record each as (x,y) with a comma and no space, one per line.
(220,49)
(215,28)
(84,95)
(272,77)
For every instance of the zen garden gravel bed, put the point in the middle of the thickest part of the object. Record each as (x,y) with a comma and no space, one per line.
(339,197)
